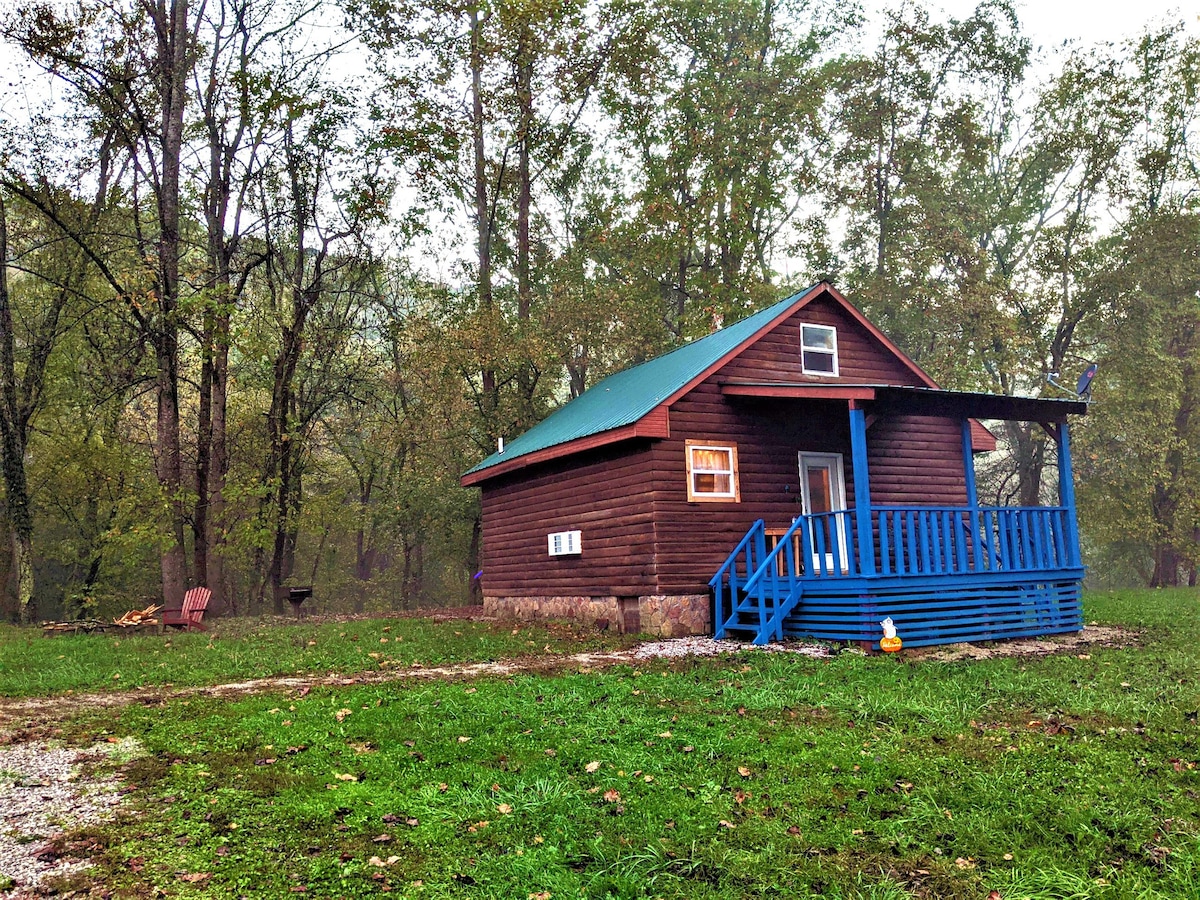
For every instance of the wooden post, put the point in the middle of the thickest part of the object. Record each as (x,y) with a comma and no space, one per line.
(976,526)
(1066,492)
(968,450)
(862,490)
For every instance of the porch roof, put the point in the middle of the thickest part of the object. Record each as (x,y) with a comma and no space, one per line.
(918,401)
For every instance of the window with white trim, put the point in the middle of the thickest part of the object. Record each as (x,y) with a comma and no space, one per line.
(818,350)
(712,472)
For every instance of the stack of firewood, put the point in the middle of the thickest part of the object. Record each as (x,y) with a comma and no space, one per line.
(80,626)
(139,617)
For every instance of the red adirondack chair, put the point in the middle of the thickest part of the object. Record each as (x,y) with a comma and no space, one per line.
(195,602)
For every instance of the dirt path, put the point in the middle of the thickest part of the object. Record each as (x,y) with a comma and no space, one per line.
(37,712)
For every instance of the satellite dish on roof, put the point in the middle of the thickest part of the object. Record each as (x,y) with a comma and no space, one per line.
(1083,387)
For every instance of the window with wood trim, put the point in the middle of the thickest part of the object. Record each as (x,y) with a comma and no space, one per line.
(818,350)
(712,472)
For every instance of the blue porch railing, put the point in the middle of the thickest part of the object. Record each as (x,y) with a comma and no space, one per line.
(915,549)
(940,540)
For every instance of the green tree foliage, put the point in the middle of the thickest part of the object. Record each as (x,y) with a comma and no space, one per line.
(718,110)
(1142,447)
(259,315)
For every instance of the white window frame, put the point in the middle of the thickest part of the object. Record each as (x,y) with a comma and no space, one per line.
(565,543)
(733,495)
(804,348)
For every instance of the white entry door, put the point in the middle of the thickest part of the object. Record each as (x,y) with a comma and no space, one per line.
(823,490)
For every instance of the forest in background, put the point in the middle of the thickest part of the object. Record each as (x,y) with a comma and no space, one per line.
(276,272)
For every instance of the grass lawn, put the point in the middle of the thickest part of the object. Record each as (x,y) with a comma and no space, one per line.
(1068,776)
(239,649)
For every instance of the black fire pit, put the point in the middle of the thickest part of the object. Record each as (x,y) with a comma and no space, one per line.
(298,595)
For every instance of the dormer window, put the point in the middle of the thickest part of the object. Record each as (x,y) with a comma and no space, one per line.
(818,350)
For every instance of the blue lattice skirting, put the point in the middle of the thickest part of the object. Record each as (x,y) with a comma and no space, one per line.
(945,609)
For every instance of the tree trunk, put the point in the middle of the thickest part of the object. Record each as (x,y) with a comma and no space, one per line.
(22,560)
(169,468)
(475,562)
(1166,566)
(172,31)
(12,443)
(1029,461)
(526,377)
(483,220)
(203,452)
(221,600)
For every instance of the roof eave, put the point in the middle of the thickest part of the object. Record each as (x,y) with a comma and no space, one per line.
(655,424)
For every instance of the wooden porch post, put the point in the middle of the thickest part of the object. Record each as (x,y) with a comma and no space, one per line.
(862,490)
(968,450)
(1066,492)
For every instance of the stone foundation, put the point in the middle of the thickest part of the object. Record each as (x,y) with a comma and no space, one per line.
(659,615)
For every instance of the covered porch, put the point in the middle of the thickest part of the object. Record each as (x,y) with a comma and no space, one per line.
(943,573)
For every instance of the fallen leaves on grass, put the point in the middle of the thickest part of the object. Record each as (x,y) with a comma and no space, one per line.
(612,796)
(380,863)
(593,766)
(384,838)
(744,771)
(341,714)
(195,877)
(462,739)
(345,776)
(965,862)
(504,809)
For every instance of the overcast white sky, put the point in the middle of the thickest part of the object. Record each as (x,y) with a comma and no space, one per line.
(1050,22)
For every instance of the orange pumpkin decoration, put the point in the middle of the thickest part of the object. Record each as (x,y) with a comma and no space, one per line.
(890,644)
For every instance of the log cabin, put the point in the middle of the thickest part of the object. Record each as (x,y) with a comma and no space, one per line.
(793,474)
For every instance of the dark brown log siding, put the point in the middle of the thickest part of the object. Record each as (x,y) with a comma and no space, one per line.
(695,538)
(602,493)
(916,461)
(640,533)
(861,358)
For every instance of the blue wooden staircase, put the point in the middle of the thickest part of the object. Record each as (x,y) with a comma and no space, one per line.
(756,588)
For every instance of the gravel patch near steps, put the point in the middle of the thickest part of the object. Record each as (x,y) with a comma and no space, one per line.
(705,646)
(43,794)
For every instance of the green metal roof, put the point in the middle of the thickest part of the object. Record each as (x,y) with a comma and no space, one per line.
(625,397)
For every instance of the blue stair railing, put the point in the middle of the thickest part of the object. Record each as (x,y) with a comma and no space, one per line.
(733,574)
(759,602)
